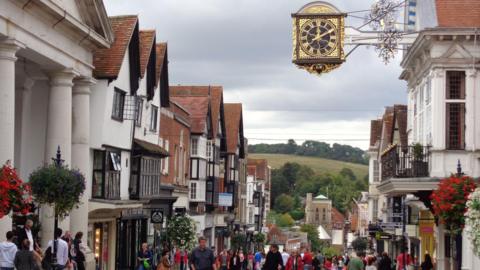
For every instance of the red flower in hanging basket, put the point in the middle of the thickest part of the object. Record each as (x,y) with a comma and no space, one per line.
(449,201)
(15,195)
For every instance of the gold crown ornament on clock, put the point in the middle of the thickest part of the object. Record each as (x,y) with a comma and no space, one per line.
(318,37)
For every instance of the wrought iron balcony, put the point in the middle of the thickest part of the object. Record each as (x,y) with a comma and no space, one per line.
(405,162)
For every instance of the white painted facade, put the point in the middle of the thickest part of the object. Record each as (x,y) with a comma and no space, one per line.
(46,74)
(431,57)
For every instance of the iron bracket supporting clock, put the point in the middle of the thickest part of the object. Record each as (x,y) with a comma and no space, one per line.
(318,37)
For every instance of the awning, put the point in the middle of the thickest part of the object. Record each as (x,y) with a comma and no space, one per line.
(322,233)
(149,149)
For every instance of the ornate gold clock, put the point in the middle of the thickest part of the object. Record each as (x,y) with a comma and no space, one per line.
(318,37)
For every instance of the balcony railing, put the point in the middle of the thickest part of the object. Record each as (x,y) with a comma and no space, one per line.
(405,162)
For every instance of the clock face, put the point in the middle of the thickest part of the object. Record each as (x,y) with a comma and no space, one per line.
(318,37)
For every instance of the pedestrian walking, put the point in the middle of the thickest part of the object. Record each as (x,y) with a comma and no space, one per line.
(61,248)
(258,260)
(24,259)
(274,259)
(78,251)
(385,262)
(356,263)
(242,261)
(222,260)
(145,258)
(202,257)
(164,263)
(7,252)
(427,263)
(307,260)
(403,259)
(370,265)
(285,256)
(233,263)
(294,261)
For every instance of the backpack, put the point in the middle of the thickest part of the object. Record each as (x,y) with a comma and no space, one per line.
(47,259)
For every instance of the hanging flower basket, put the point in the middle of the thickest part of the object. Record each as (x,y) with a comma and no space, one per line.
(58,186)
(473,220)
(449,201)
(14,194)
(181,231)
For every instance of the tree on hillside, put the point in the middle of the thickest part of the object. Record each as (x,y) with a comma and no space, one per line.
(284,203)
(291,147)
(290,171)
(348,173)
(279,185)
(297,214)
(285,221)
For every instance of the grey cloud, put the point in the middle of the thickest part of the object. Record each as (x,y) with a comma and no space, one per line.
(245,45)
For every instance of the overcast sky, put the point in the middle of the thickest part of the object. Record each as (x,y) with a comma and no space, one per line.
(246,46)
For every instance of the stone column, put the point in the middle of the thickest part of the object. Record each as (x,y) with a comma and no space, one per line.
(59,134)
(25,107)
(8,50)
(81,157)
(440,248)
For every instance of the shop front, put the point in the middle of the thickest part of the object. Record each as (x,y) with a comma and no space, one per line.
(132,231)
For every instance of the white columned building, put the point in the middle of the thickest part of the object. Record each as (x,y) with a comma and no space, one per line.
(46,52)
(8,49)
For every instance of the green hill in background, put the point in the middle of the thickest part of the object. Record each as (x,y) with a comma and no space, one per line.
(318,165)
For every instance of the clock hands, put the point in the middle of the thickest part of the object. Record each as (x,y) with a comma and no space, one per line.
(319,36)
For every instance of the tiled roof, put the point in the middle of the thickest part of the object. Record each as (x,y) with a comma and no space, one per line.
(401,112)
(215,92)
(161,53)
(387,129)
(197,107)
(252,170)
(375,131)
(107,62)
(147,38)
(233,116)
(262,167)
(458,13)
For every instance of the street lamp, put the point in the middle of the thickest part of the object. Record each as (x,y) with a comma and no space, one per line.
(58,161)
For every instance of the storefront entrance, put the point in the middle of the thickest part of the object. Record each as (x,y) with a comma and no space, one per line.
(131,233)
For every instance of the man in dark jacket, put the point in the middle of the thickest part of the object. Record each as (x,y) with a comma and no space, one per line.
(385,262)
(26,233)
(274,259)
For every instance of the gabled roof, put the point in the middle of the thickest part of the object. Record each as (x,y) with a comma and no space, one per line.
(458,13)
(161,54)
(198,107)
(261,167)
(401,112)
(108,62)
(214,92)
(147,41)
(387,129)
(375,131)
(233,119)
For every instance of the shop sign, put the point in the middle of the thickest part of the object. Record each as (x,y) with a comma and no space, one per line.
(156,216)
(225,199)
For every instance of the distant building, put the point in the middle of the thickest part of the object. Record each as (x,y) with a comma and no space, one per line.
(318,211)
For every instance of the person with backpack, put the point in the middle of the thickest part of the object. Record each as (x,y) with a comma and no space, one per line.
(24,259)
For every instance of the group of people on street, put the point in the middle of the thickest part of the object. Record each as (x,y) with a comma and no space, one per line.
(22,251)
